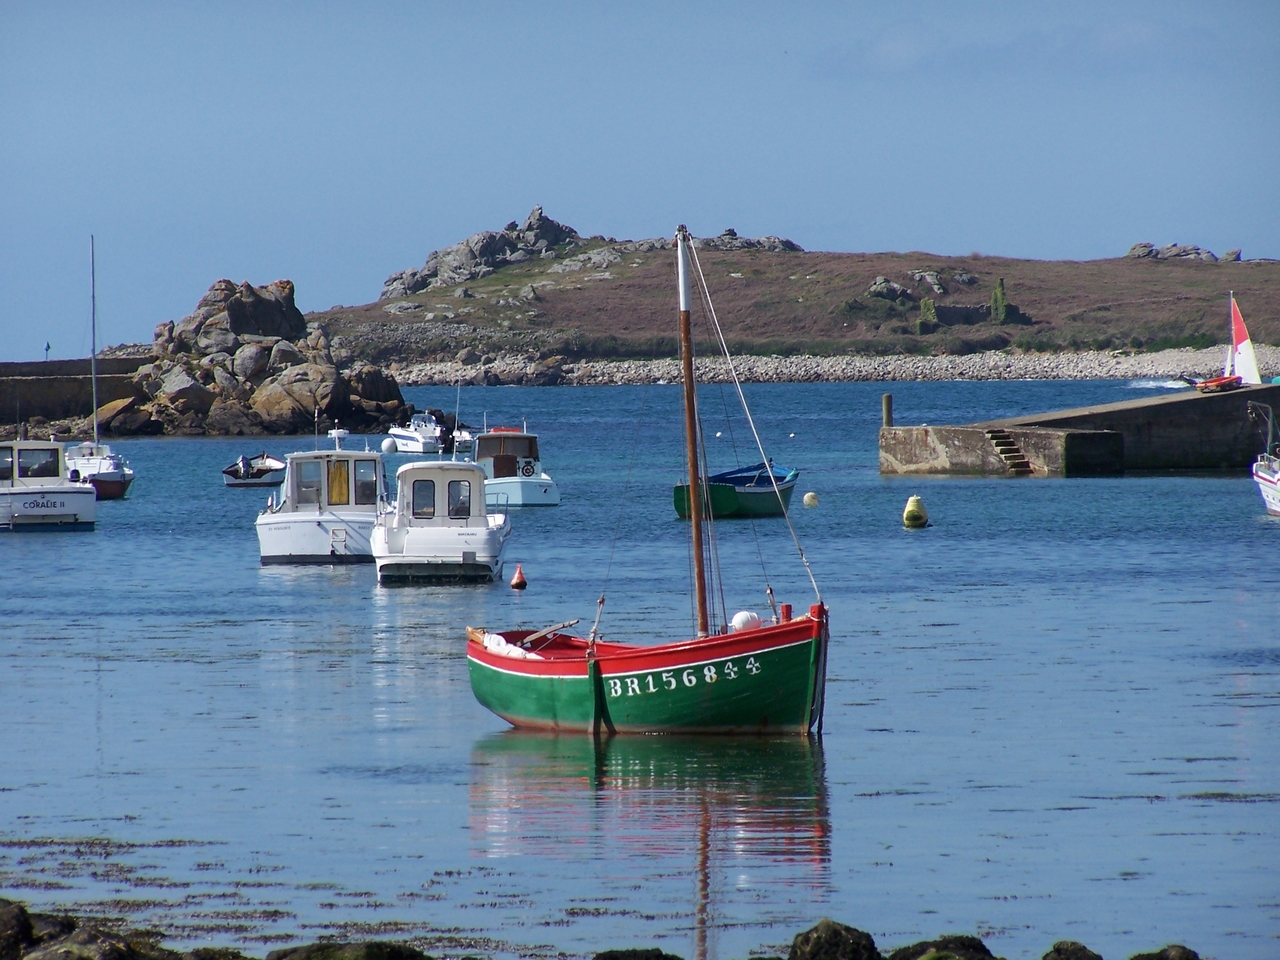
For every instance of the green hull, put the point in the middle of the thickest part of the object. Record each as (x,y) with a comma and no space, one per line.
(725,500)
(732,688)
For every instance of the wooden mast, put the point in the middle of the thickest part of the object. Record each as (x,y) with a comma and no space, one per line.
(691,430)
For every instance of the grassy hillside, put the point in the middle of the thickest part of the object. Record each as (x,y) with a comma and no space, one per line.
(817,303)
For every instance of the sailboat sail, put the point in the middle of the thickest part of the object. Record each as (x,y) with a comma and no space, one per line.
(1241,360)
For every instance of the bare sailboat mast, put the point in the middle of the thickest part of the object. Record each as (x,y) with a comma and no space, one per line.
(93,337)
(691,430)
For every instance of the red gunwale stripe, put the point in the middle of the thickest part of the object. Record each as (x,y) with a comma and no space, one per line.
(620,660)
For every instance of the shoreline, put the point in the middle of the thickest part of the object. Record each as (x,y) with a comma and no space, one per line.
(58,935)
(992,365)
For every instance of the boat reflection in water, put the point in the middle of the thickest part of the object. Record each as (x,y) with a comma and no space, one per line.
(737,813)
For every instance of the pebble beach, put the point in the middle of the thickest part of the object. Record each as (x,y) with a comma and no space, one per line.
(992,365)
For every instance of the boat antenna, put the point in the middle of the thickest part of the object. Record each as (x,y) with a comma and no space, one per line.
(737,385)
(93,336)
(683,246)
(317,426)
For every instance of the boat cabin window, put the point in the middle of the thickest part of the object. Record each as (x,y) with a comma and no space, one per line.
(309,481)
(459,499)
(6,463)
(37,463)
(522,447)
(339,483)
(366,481)
(424,499)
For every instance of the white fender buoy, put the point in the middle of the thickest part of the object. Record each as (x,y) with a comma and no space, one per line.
(810,499)
(744,620)
(389,445)
(915,515)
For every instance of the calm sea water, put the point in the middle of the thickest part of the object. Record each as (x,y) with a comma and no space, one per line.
(1055,714)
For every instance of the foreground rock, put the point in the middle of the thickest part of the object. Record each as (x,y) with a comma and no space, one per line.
(34,936)
(245,362)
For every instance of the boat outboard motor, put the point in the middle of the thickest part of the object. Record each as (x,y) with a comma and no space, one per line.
(242,466)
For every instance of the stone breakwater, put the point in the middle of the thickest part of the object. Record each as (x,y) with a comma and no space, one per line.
(42,936)
(993,365)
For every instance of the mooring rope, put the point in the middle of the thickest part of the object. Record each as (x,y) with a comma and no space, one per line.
(737,385)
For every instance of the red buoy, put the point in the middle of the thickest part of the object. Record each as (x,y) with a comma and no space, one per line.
(518,582)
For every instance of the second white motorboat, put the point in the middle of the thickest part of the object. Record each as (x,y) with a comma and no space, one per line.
(442,529)
(328,504)
(509,457)
(109,472)
(422,435)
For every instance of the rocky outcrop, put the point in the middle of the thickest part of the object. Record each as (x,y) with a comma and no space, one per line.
(833,941)
(886,289)
(729,240)
(481,254)
(244,362)
(538,237)
(1175,251)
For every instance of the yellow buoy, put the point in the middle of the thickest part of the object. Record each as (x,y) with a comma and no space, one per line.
(810,499)
(915,515)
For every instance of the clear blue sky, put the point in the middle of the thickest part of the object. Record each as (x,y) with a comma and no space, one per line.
(333,144)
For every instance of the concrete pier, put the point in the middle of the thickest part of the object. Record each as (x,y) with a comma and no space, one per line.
(1188,430)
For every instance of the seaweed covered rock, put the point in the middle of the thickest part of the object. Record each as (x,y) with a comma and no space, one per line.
(1174,951)
(366,950)
(957,947)
(636,953)
(830,940)
(1070,950)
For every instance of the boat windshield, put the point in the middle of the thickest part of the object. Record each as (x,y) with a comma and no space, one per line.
(459,499)
(522,447)
(6,463)
(366,481)
(37,463)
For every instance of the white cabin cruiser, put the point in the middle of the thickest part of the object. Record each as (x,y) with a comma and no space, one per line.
(441,529)
(509,458)
(328,504)
(109,472)
(422,435)
(36,491)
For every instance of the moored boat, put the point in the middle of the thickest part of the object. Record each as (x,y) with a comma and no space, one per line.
(1266,469)
(38,493)
(328,503)
(442,529)
(263,470)
(510,460)
(757,491)
(108,472)
(739,676)
(421,435)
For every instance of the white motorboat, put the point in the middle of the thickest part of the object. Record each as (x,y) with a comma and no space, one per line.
(422,435)
(263,470)
(444,528)
(109,472)
(509,458)
(36,491)
(327,506)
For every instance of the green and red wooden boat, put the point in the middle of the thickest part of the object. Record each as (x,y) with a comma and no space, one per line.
(767,680)
(751,677)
